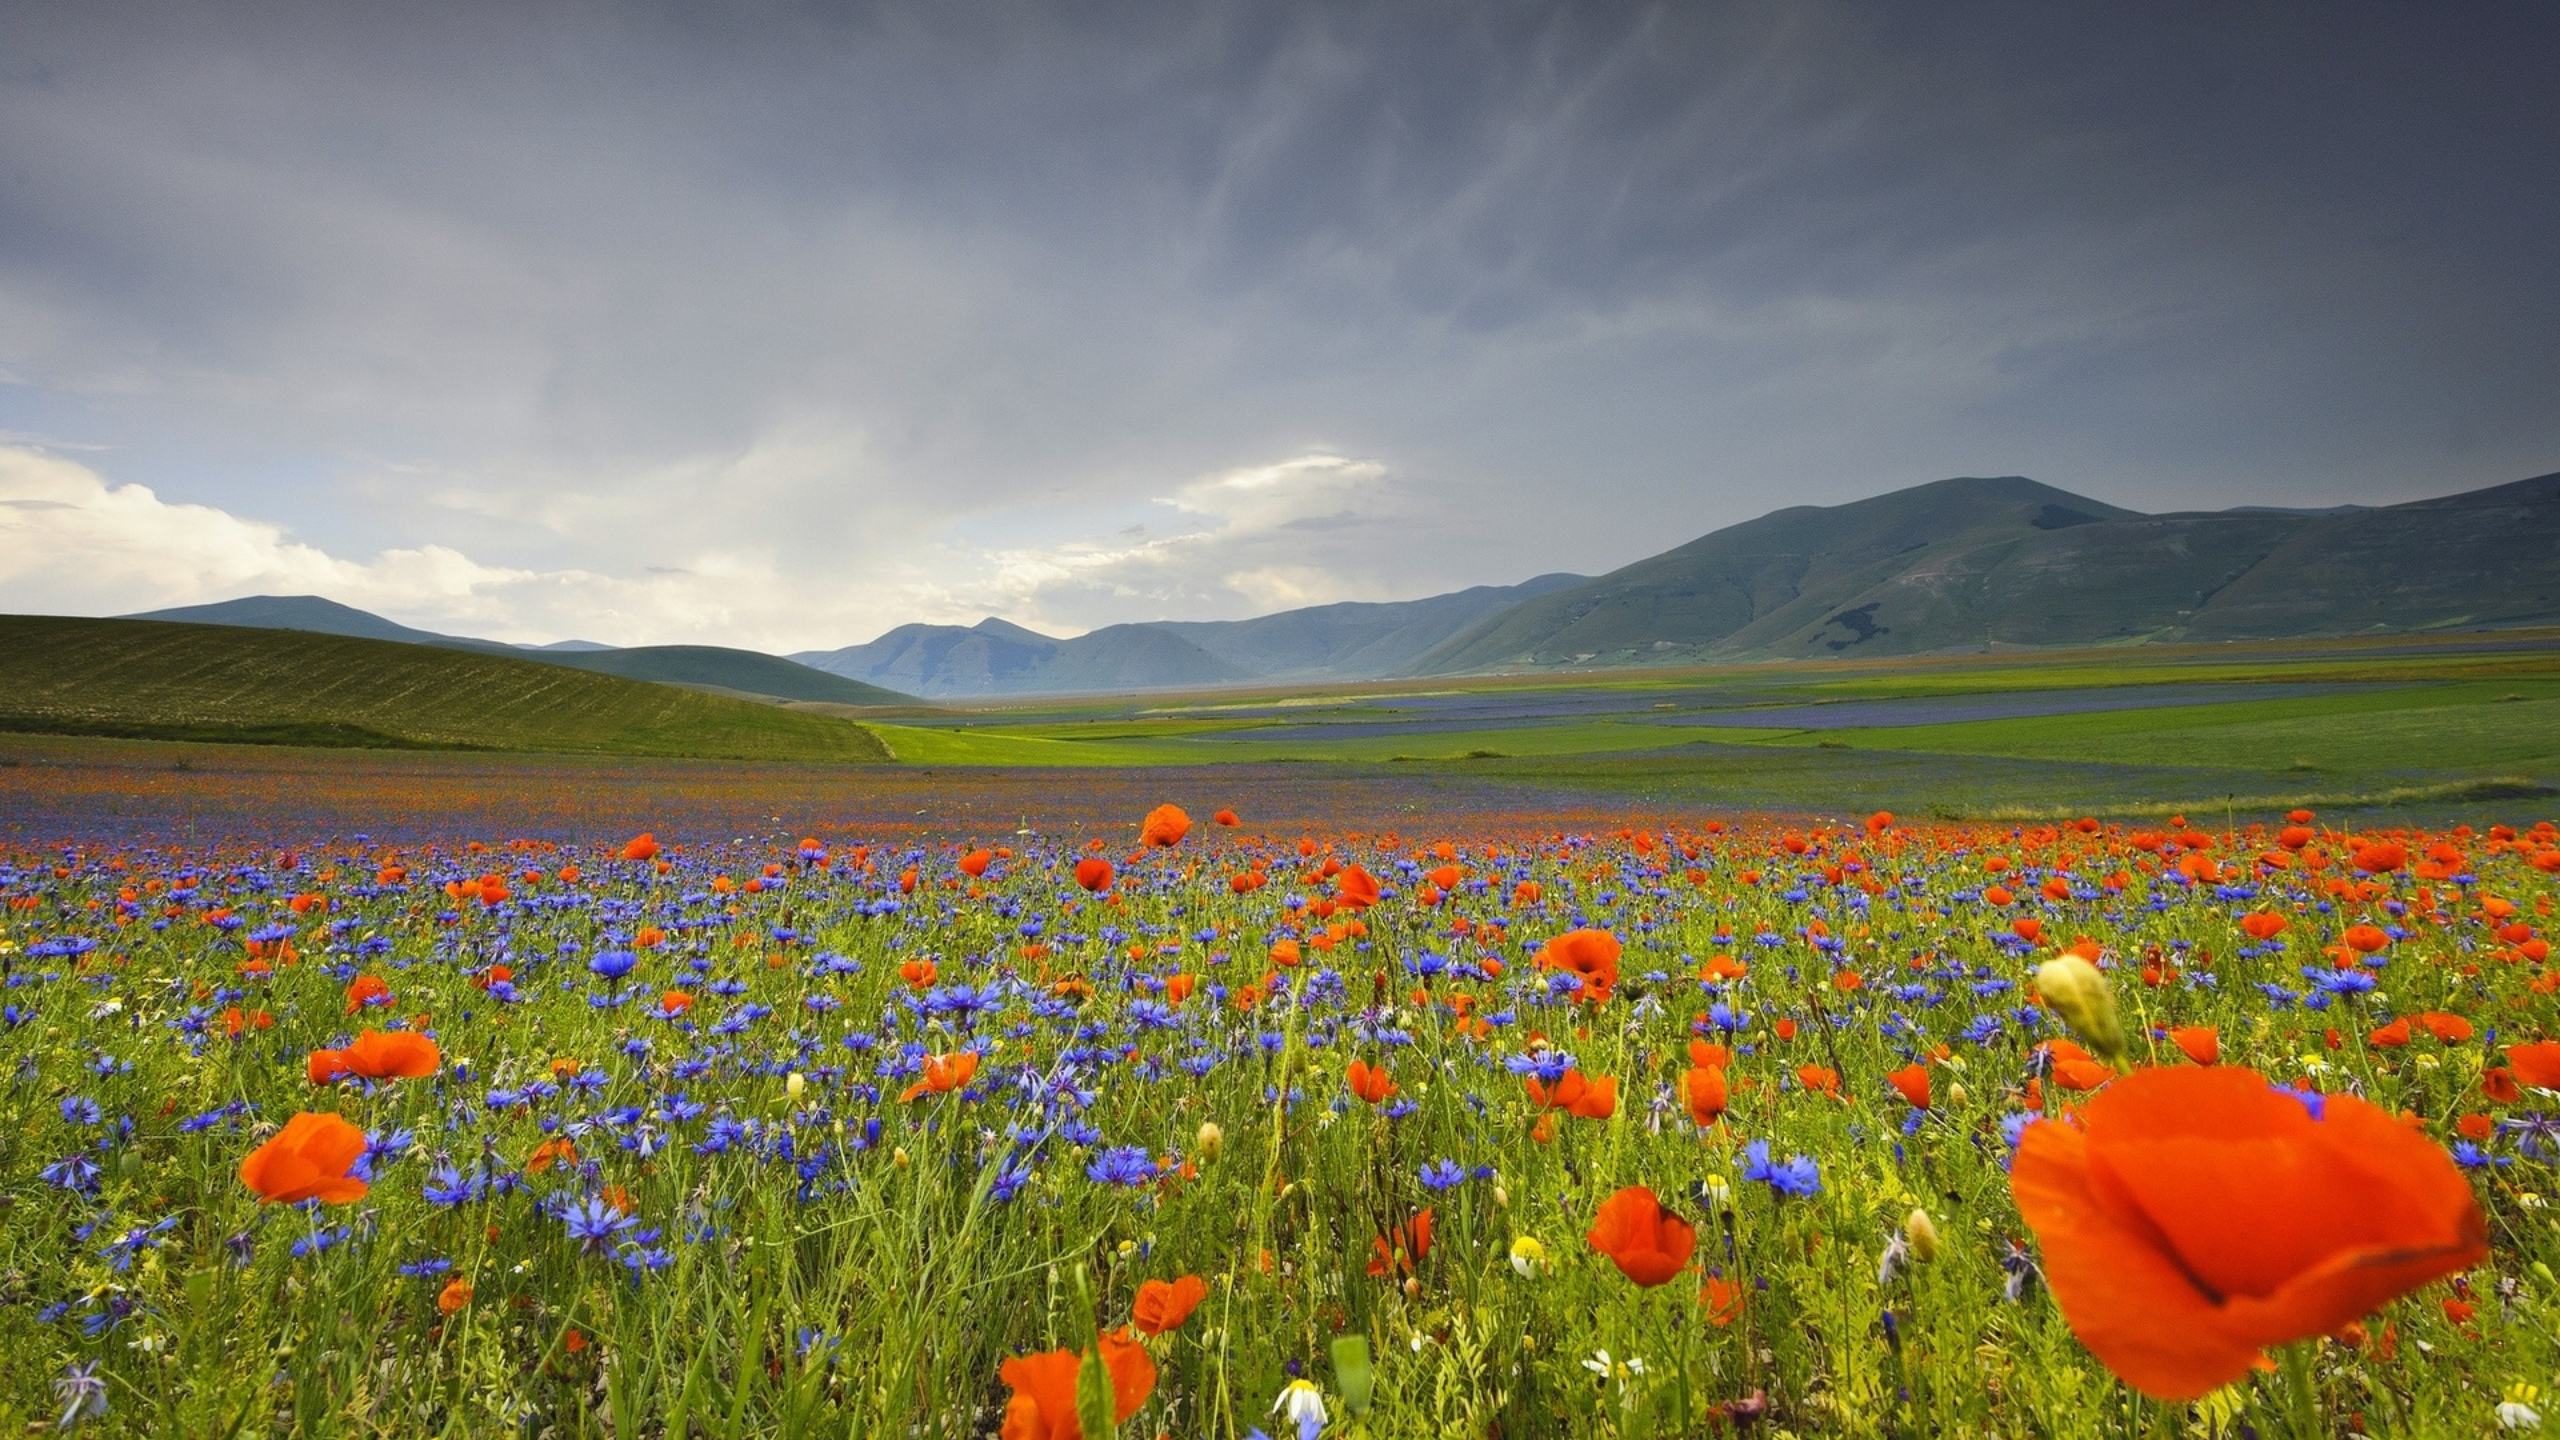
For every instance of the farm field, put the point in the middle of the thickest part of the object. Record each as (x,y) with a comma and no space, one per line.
(1579,1088)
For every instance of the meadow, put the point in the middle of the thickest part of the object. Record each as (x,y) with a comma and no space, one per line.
(1592,1089)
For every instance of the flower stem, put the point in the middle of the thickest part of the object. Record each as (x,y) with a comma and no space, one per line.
(2302,1398)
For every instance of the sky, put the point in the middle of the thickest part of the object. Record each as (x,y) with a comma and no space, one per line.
(780,325)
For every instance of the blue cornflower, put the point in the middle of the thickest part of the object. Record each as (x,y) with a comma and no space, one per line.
(320,1240)
(1797,1175)
(1121,1165)
(83,1393)
(612,964)
(1547,1065)
(448,1186)
(595,1225)
(78,1172)
(1443,1175)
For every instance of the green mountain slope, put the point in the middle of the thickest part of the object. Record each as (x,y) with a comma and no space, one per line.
(746,672)
(1972,563)
(155,679)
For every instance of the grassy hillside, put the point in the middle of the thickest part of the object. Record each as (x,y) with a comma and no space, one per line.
(1977,564)
(155,680)
(746,672)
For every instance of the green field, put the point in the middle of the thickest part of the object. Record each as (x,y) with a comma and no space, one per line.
(2404,723)
(2413,725)
(139,679)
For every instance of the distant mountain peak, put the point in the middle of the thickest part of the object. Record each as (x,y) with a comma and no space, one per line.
(998,626)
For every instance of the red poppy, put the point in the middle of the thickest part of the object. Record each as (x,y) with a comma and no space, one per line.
(1094,873)
(2195,1216)
(1703,1087)
(1405,1250)
(1912,1083)
(1164,827)
(1721,1299)
(2536,1064)
(1164,1304)
(2200,1043)
(307,1160)
(1646,1243)
(1576,1092)
(642,847)
(975,863)
(367,990)
(1225,817)
(1356,889)
(387,1055)
(2263,925)
(2380,858)
(943,1074)
(1043,1406)
(1820,1079)
(1370,1082)
(2081,1074)
(1590,954)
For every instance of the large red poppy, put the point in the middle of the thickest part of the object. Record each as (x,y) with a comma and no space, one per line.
(1164,826)
(307,1160)
(1043,1406)
(1648,1244)
(1164,1304)
(2195,1216)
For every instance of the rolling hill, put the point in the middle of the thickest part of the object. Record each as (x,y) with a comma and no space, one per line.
(1977,563)
(748,673)
(1353,641)
(179,681)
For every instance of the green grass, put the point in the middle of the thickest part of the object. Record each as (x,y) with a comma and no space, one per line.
(149,680)
(2460,727)
(2447,725)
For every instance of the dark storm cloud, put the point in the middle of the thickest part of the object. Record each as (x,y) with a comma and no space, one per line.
(856,315)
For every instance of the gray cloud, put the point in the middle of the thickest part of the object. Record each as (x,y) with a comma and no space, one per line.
(892,307)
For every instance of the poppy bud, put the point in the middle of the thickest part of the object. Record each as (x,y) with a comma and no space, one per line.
(1922,1232)
(898,1157)
(1955,1093)
(1501,1198)
(795,1084)
(2084,1000)
(1210,1140)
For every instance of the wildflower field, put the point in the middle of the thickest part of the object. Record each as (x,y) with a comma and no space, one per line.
(1158,1123)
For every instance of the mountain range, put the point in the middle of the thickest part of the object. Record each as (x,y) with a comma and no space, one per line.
(1962,564)
(1352,641)
(1976,563)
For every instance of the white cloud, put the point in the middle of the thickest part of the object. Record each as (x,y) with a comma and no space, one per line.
(1301,531)
(72,542)
(1238,542)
